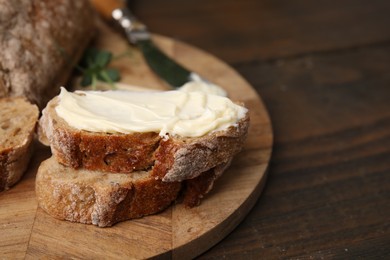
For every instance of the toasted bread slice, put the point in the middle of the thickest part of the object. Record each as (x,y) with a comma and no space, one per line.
(100,198)
(18,119)
(175,159)
(103,199)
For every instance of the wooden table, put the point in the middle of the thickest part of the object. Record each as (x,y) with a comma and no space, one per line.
(323,70)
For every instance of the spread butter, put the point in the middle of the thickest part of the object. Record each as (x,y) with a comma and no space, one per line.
(188,114)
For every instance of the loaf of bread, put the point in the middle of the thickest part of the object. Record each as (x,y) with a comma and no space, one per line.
(18,119)
(40,42)
(103,199)
(175,159)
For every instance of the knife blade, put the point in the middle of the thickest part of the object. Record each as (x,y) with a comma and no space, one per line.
(137,33)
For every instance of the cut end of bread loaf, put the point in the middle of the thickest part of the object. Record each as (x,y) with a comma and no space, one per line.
(18,119)
(175,159)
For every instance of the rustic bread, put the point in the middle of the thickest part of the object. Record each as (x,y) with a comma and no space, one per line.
(195,189)
(174,159)
(103,199)
(18,119)
(40,42)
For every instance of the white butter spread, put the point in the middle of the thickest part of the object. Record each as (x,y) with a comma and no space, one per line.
(188,114)
(197,84)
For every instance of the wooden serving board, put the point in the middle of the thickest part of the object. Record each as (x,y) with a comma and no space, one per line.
(27,232)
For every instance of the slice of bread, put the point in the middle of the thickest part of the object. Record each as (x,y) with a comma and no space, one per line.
(174,159)
(103,199)
(18,119)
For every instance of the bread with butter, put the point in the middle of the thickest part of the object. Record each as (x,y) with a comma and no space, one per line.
(40,43)
(94,176)
(18,120)
(173,159)
(103,199)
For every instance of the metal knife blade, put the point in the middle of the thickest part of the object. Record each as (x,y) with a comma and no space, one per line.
(137,33)
(169,70)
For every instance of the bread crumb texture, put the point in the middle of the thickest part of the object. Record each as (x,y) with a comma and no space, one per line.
(100,198)
(44,32)
(18,119)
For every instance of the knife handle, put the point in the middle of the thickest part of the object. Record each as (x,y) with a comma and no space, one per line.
(105,7)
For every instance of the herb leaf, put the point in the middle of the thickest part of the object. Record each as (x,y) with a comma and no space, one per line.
(94,67)
(86,80)
(102,58)
(113,74)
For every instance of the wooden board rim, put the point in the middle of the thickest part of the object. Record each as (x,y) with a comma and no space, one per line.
(31,237)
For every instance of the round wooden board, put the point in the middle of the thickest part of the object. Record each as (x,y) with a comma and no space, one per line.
(179,233)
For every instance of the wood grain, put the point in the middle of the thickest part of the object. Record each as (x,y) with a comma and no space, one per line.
(328,189)
(258,30)
(17,211)
(322,69)
(177,232)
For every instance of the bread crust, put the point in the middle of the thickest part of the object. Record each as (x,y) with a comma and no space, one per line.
(100,198)
(189,165)
(175,159)
(103,199)
(114,153)
(49,33)
(18,120)
(195,189)
(179,158)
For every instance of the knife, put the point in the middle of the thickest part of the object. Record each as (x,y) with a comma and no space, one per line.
(137,33)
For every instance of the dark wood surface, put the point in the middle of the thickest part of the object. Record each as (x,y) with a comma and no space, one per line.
(323,70)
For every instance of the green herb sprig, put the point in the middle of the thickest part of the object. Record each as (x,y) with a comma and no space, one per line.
(94,67)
